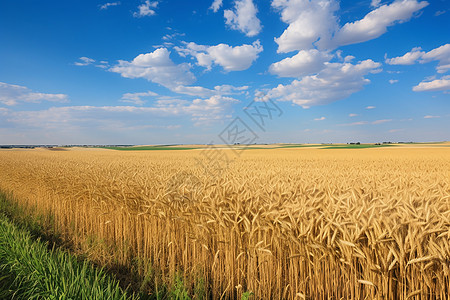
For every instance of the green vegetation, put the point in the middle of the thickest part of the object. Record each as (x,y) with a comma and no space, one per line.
(247,295)
(29,270)
(361,146)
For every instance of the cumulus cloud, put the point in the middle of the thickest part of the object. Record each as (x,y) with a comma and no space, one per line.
(230,58)
(352,115)
(157,67)
(216,5)
(243,18)
(431,117)
(11,94)
(442,84)
(135,98)
(392,81)
(235,58)
(320,119)
(314,23)
(408,58)
(310,22)
(337,81)
(416,55)
(376,22)
(441,54)
(84,61)
(370,107)
(146,9)
(305,62)
(108,4)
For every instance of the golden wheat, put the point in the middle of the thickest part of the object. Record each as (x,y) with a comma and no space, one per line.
(283,223)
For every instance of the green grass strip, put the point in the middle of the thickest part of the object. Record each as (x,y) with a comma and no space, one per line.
(29,270)
(362,146)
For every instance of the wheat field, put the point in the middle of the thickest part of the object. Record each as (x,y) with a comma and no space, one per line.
(282,223)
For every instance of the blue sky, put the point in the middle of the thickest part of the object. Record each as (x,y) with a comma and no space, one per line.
(170,72)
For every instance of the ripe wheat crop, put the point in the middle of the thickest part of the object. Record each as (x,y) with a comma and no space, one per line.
(282,223)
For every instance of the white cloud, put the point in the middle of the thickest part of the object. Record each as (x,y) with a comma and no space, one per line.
(171,36)
(315,24)
(226,89)
(230,58)
(204,111)
(381,121)
(431,117)
(352,115)
(84,61)
(11,94)
(305,62)
(102,64)
(200,91)
(93,118)
(443,68)
(135,98)
(235,58)
(349,58)
(320,119)
(108,4)
(359,123)
(392,81)
(375,3)
(375,23)
(157,67)
(337,81)
(355,123)
(145,9)
(370,107)
(440,12)
(441,54)
(216,5)
(408,58)
(243,18)
(309,22)
(435,85)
